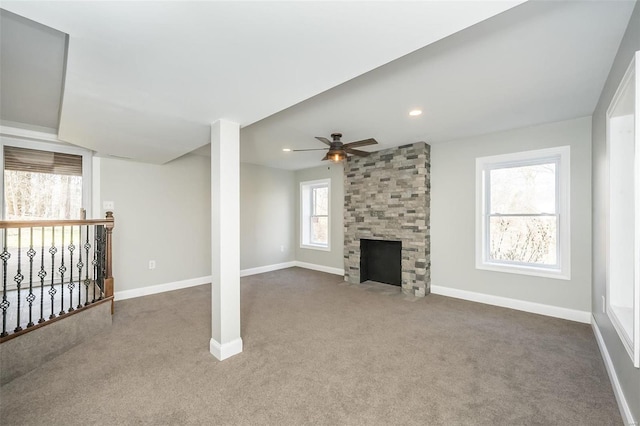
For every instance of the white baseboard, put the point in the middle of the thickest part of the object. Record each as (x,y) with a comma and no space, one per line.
(520,305)
(321,268)
(226,350)
(160,288)
(267,268)
(625,411)
(277,266)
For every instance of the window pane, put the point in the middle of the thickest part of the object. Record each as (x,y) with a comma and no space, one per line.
(523,239)
(320,201)
(40,196)
(524,189)
(319,230)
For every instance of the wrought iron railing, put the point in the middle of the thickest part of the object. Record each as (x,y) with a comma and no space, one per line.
(51,269)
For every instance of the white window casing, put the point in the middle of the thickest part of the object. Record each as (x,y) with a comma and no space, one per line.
(311,216)
(622,298)
(557,263)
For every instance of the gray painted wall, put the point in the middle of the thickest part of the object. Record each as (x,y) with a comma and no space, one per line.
(333,258)
(163,213)
(267,216)
(628,375)
(453,195)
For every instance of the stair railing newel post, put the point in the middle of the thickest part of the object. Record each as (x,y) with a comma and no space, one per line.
(108,282)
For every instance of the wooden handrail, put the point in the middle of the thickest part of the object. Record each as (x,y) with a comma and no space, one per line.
(6,224)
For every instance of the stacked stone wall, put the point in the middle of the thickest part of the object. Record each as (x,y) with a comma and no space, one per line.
(387,198)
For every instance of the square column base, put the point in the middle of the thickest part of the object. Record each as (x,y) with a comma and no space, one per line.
(226,350)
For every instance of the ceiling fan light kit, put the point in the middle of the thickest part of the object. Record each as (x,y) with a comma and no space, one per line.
(338,151)
(336,156)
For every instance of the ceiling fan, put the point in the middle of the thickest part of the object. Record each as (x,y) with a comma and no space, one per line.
(338,151)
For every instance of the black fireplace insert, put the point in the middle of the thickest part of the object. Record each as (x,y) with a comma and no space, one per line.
(381,261)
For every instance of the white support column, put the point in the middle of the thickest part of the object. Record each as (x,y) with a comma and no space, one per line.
(225,239)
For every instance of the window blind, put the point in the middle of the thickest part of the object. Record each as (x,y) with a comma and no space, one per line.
(32,160)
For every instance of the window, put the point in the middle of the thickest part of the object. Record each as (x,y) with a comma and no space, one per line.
(523,213)
(623,251)
(314,208)
(42,181)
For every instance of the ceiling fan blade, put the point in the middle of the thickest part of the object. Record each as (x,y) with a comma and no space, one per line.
(356,152)
(314,149)
(326,157)
(364,142)
(324,140)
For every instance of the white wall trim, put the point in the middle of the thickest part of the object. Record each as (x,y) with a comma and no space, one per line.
(40,135)
(161,288)
(267,268)
(625,411)
(177,285)
(225,350)
(321,268)
(277,266)
(520,305)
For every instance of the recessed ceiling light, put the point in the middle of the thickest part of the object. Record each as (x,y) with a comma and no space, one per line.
(286,149)
(415,112)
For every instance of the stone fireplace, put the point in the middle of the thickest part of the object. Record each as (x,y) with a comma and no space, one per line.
(387,198)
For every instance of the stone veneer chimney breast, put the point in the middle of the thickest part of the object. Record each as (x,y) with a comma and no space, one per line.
(387,198)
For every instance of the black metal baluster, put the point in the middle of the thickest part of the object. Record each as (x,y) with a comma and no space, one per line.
(53,250)
(42,274)
(71,285)
(18,280)
(94,262)
(5,303)
(62,269)
(80,265)
(87,281)
(102,259)
(97,260)
(31,297)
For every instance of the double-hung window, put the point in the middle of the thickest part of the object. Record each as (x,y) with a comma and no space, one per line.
(314,208)
(523,213)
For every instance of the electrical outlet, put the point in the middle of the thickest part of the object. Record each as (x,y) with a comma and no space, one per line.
(604,305)
(282,249)
(152,264)
(107,205)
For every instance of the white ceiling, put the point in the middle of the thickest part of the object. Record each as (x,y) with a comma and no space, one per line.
(32,58)
(539,62)
(145,79)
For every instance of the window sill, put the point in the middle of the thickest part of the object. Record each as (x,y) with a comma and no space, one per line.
(525,270)
(315,247)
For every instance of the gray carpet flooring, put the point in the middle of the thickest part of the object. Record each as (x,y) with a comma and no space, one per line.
(319,351)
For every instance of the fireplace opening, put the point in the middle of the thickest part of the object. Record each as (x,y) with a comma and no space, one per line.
(381,261)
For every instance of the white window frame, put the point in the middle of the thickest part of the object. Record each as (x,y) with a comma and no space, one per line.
(630,337)
(43,145)
(559,155)
(306,210)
